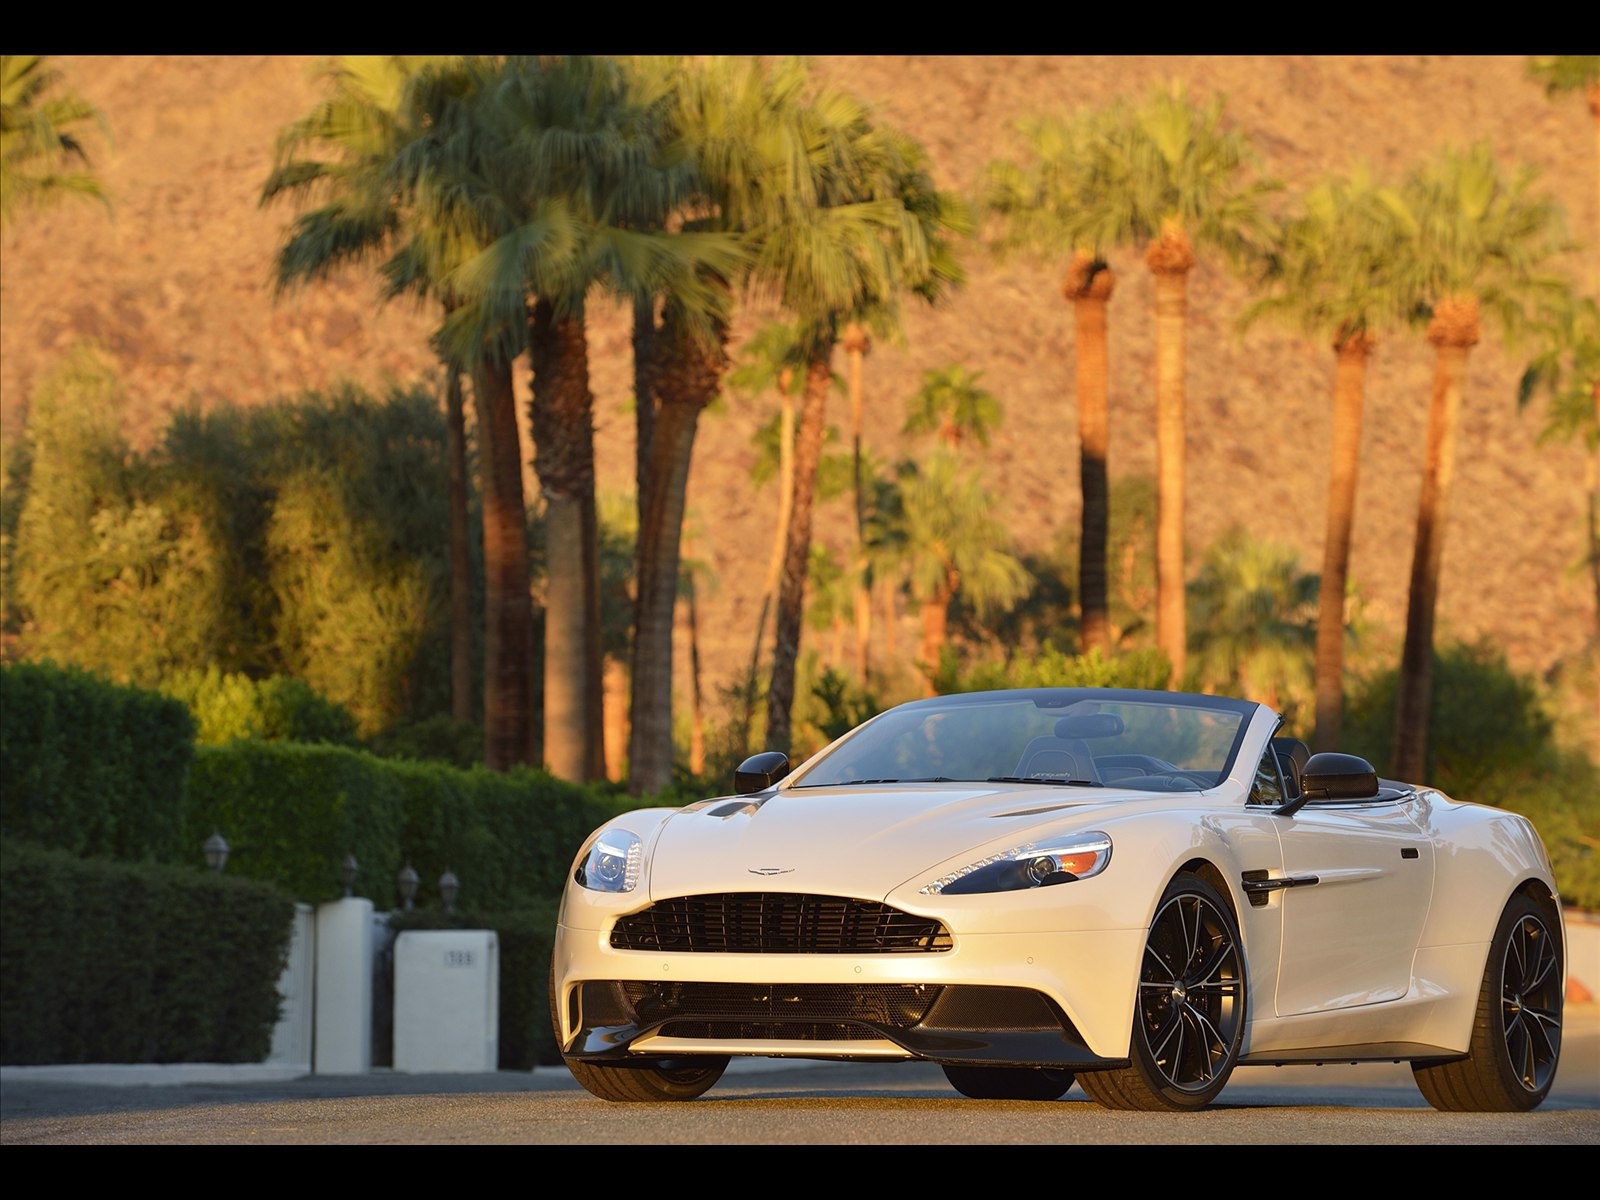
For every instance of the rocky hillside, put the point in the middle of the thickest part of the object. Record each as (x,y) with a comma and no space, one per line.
(175,285)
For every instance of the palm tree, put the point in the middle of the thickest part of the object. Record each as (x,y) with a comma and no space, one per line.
(1483,242)
(1337,275)
(1056,201)
(734,122)
(1563,73)
(1567,373)
(950,542)
(872,227)
(1252,616)
(567,171)
(952,405)
(39,139)
(343,152)
(1182,177)
(770,359)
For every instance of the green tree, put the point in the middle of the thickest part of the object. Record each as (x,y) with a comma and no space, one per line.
(1338,274)
(111,574)
(1184,180)
(1485,244)
(1057,204)
(1566,371)
(952,405)
(864,228)
(950,542)
(737,123)
(42,155)
(341,153)
(1251,620)
(565,169)
(1562,74)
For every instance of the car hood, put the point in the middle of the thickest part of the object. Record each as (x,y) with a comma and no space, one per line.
(860,841)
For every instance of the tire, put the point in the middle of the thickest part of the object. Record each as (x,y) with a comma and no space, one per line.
(644,1082)
(1189,1015)
(674,1079)
(1009,1083)
(1516,1034)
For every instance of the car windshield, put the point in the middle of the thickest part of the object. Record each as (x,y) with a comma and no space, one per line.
(1155,741)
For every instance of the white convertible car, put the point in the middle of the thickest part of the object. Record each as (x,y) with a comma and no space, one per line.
(1138,891)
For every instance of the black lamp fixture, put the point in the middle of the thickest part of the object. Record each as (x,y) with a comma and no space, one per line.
(406,883)
(347,873)
(216,849)
(449,889)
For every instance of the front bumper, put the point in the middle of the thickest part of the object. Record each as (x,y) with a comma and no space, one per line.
(1057,999)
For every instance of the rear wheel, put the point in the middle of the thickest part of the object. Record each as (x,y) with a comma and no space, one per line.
(1188,1019)
(1009,1083)
(1516,1035)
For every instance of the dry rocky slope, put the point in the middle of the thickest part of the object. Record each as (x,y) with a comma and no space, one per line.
(176,286)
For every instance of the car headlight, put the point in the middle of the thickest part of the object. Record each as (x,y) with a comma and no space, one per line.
(1032,865)
(613,862)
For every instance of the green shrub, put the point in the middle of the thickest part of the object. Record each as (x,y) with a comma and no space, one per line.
(90,766)
(1490,741)
(281,708)
(1049,667)
(117,962)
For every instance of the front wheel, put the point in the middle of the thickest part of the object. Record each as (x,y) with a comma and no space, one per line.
(643,1082)
(1009,1083)
(1188,1018)
(673,1079)
(1516,1034)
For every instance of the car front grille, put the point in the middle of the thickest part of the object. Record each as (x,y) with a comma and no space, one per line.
(777,923)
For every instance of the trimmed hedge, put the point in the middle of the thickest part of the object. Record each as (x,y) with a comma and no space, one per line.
(291,812)
(93,767)
(119,962)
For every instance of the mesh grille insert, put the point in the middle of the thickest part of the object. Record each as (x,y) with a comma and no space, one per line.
(818,1012)
(777,923)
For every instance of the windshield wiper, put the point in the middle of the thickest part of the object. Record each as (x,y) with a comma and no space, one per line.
(1043,779)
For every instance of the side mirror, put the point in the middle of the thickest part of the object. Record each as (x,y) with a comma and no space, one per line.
(759,772)
(1333,776)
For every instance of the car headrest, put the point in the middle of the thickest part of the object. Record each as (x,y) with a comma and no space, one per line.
(1292,757)
(1089,725)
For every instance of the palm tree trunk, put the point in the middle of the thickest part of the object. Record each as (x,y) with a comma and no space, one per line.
(1171,314)
(780,539)
(935,635)
(1414,695)
(460,561)
(797,549)
(857,343)
(697,728)
(615,681)
(508,708)
(1348,391)
(686,377)
(563,432)
(1089,285)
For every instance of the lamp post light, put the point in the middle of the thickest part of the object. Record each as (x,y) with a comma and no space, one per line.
(347,873)
(407,882)
(216,849)
(449,889)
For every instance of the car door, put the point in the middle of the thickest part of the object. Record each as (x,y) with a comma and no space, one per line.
(1361,876)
